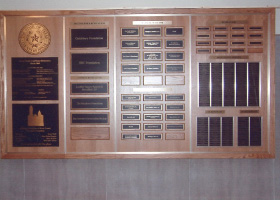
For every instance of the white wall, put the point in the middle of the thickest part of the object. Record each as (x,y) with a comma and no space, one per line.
(115,4)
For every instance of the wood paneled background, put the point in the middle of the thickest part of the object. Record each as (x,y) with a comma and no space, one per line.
(138,179)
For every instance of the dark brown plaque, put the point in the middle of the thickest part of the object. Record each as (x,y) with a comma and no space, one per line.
(89,88)
(89,62)
(90,118)
(89,38)
(101,103)
(35,78)
(35,125)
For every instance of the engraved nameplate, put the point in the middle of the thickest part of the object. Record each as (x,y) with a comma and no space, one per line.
(152,136)
(132,117)
(148,56)
(127,97)
(174,107)
(130,127)
(90,103)
(152,116)
(153,127)
(174,56)
(129,32)
(152,31)
(152,68)
(128,56)
(130,43)
(174,31)
(130,80)
(126,136)
(175,68)
(152,43)
(174,43)
(152,107)
(175,117)
(175,127)
(175,97)
(130,68)
(89,38)
(93,62)
(130,107)
(151,97)
(89,88)
(90,118)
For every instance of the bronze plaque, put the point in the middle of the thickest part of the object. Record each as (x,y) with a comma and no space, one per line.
(90,88)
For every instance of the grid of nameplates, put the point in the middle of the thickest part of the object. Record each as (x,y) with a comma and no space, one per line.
(219,131)
(229,84)
(146,51)
(160,113)
(229,39)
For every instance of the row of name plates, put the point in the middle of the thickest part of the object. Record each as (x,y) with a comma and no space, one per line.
(184,83)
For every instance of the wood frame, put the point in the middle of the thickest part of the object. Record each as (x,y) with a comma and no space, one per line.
(116,147)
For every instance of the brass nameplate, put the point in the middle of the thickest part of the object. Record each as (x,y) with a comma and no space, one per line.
(152,136)
(152,22)
(249,111)
(215,111)
(229,57)
(126,136)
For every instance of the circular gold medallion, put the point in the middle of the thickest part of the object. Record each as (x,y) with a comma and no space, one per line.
(34,38)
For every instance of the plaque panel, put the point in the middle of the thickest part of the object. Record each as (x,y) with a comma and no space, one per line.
(35,125)
(87,63)
(35,78)
(89,38)
(138,84)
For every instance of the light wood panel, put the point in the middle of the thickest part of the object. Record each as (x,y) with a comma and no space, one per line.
(142,100)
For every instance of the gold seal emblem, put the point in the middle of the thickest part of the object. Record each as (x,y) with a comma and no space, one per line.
(34,38)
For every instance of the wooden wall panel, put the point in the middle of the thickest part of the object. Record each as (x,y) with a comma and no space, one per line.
(139,86)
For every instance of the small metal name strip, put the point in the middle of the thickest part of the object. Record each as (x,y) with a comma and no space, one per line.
(212,22)
(90,23)
(152,22)
(89,77)
(229,57)
(152,89)
(249,111)
(215,111)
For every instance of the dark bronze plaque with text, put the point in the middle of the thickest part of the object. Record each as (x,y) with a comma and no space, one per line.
(89,38)
(35,125)
(90,62)
(35,78)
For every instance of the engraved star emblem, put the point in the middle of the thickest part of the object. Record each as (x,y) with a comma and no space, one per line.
(35,38)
